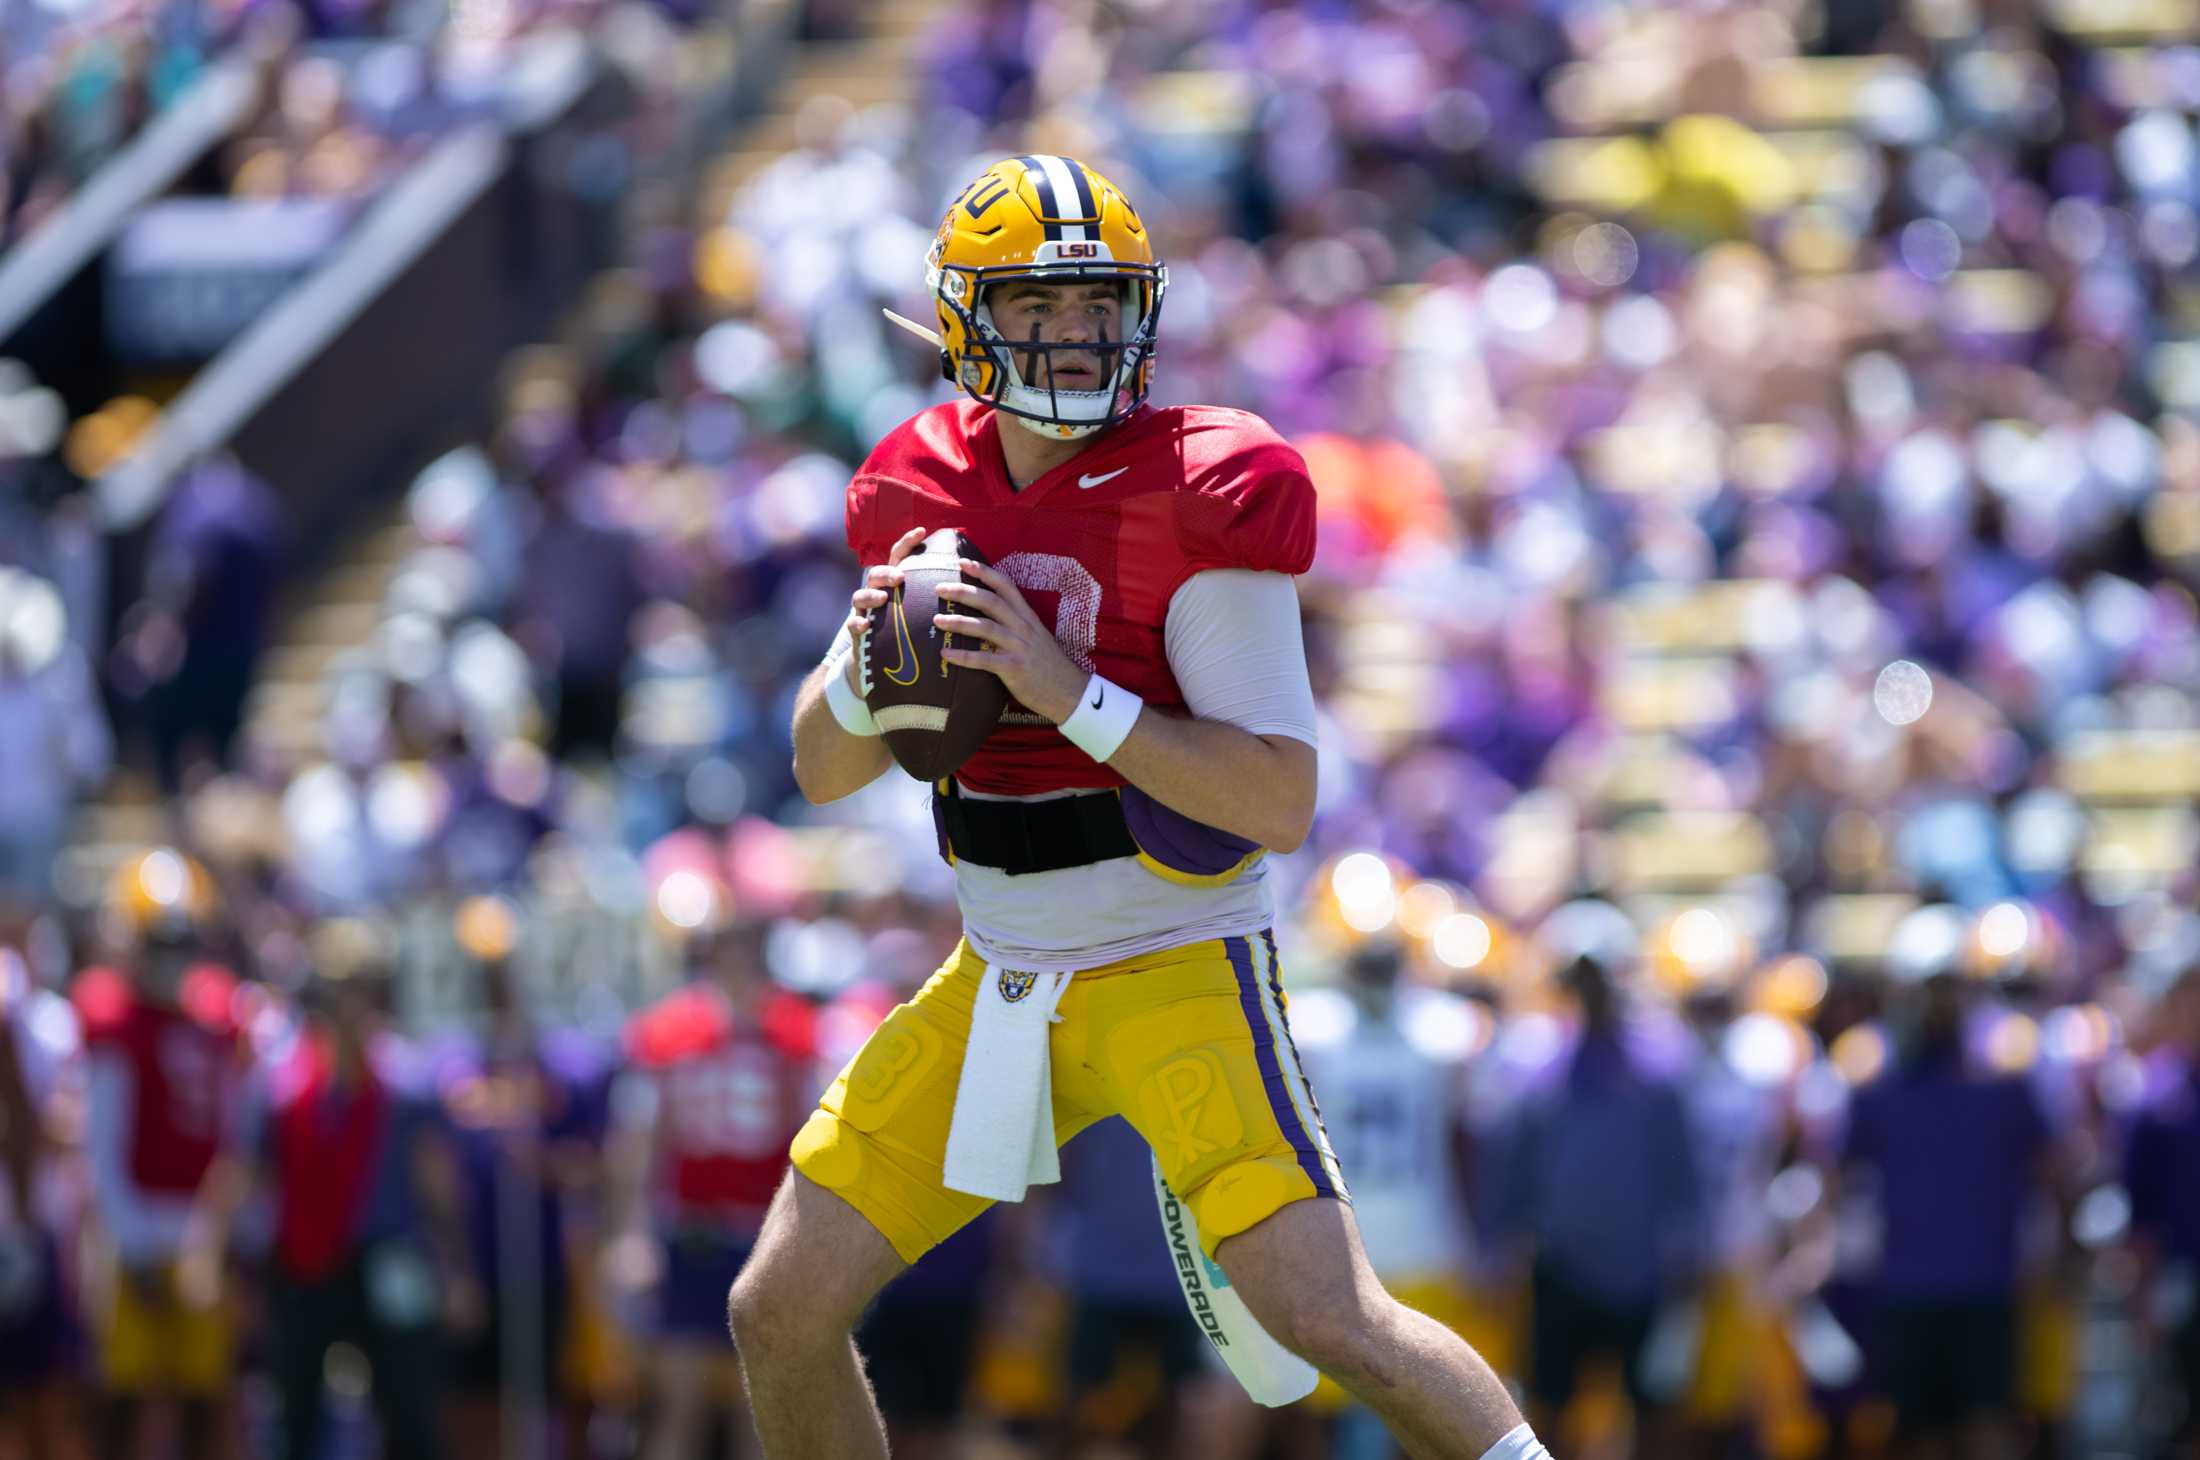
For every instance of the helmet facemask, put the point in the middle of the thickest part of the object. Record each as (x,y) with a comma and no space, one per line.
(1017,377)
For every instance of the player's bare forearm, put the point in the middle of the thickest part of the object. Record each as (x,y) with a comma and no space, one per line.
(829,763)
(1260,787)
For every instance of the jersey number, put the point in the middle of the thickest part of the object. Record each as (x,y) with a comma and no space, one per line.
(192,1070)
(1077,613)
(1376,1134)
(729,1106)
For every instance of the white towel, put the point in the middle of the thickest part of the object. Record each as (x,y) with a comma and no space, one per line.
(1271,1373)
(1001,1139)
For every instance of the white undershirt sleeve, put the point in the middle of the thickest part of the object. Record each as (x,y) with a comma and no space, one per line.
(1235,648)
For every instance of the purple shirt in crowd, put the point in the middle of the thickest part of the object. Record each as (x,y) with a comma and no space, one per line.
(1105,1238)
(222,531)
(2162,1163)
(1599,1171)
(575,1100)
(954,1272)
(583,580)
(1955,1155)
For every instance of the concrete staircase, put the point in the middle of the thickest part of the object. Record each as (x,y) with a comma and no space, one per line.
(289,703)
(878,67)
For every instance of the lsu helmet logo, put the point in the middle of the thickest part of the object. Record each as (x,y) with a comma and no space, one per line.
(1014,986)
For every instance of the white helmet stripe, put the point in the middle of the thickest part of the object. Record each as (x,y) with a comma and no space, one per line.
(1067,192)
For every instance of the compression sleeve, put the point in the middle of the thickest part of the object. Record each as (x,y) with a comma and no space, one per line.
(1235,648)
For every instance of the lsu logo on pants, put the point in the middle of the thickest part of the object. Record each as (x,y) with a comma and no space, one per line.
(1015,986)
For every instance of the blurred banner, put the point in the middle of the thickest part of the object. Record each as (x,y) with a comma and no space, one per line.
(187,275)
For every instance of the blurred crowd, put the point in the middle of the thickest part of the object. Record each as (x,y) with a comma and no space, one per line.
(343,85)
(347,92)
(266,1194)
(1758,449)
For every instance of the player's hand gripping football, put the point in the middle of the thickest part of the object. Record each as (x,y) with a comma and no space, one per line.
(1020,648)
(879,581)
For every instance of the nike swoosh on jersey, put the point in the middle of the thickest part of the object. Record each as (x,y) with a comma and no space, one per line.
(1106,476)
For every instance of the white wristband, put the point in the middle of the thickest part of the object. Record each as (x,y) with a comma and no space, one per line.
(1519,1443)
(841,698)
(1103,718)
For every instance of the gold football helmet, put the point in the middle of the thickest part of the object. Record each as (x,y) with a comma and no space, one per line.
(1051,218)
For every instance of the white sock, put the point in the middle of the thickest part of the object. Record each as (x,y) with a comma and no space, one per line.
(1519,1443)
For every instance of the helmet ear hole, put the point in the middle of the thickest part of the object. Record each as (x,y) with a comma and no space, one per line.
(947,367)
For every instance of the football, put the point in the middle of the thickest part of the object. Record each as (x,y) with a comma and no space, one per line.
(934,714)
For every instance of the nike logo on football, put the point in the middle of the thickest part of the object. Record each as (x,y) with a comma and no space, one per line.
(1106,476)
(905,666)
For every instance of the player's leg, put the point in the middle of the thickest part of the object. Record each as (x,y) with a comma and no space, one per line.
(475,1364)
(1200,1059)
(303,1323)
(1305,1276)
(202,1373)
(867,1197)
(1986,1380)
(128,1362)
(679,1409)
(793,1310)
(688,1338)
(158,1350)
(406,1361)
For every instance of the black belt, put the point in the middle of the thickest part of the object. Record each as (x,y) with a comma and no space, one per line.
(1017,837)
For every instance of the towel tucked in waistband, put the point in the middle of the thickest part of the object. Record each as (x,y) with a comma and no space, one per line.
(1001,1139)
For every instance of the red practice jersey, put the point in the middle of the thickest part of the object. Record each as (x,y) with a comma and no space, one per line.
(731,1095)
(1098,545)
(183,1063)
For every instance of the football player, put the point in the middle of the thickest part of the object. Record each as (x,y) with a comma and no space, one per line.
(1160,741)
(524,1102)
(722,1072)
(341,1143)
(164,1060)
